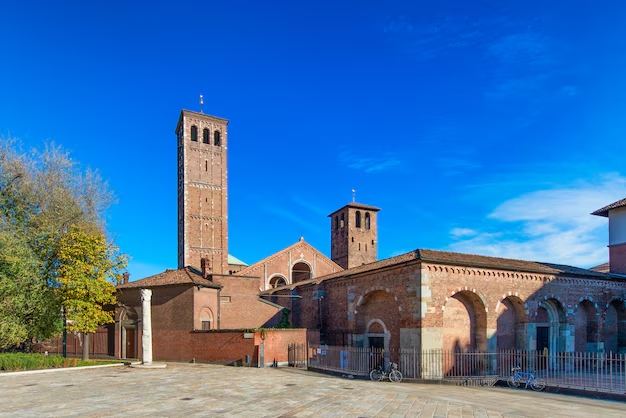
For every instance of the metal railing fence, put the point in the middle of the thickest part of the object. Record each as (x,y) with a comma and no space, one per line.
(604,372)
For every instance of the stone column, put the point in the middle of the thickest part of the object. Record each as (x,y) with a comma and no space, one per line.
(146,338)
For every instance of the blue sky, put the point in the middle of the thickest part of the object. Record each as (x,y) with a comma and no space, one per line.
(486,127)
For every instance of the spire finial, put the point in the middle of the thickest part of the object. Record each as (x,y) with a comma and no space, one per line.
(201,103)
(353,195)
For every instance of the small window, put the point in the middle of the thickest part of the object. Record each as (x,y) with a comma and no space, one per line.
(367,220)
(357,221)
(206,325)
(194,133)
(352,239)
(372,242)
(336,222)
(342,221)
(206,165)
(206,136)
(365,247)
(359,246)
(216,139)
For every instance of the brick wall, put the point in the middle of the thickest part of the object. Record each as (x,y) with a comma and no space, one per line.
(445,306)
(224,346)
(617,257)
(282,263)
(240,306)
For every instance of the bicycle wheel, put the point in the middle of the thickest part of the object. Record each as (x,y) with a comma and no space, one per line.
(376,375)
(395,376)
(537,385)
(513,382)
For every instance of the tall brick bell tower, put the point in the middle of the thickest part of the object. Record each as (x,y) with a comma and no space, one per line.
(353,235)
(202,191)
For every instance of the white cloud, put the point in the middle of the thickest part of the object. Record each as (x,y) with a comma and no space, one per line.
(369,164)
(549,225)
(462,232)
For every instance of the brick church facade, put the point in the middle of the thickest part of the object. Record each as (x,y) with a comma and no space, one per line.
(426,299)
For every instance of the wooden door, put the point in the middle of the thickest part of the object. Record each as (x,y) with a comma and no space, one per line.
(130,343)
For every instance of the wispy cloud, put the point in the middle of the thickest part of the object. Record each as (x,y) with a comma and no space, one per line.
(290,216)
(450,33)
(368,164)
(317,210)
(521,59)
(462,232)
(523,64)
(548,225)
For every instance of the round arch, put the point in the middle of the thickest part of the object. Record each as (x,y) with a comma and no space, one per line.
(615,326)
(586,326)
(206,319)
(276,280)
(511,323)
(551,325)
(377,321)
(129,336)
(464,322)
(301,270)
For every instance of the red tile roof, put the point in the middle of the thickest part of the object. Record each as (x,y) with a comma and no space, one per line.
(602,268)
(187,275)
(460,259)
(605,210)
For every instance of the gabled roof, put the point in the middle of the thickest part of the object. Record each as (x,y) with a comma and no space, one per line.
(605,210)
(188,275)
(602,268)
(459,259)
(235,261)
(357,206)
(300,242)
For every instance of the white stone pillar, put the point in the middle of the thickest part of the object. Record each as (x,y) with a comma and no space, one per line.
(146,337)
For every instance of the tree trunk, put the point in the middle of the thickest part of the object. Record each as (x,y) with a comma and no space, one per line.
(85,346)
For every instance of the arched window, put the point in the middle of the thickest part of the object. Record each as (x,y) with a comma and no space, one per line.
(206,135)
(367,220)
(336,222)
(216,139)
(342,221)
(194,133)
(277,281)
(357,221)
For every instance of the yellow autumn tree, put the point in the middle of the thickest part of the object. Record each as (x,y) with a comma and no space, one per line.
(87,268)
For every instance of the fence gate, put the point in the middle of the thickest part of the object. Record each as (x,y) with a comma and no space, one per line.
(297,355)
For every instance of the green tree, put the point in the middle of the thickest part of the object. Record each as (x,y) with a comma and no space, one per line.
(29,308)
(48,205)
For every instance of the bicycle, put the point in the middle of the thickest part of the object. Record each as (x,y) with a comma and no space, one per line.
(394,375)
(528,378)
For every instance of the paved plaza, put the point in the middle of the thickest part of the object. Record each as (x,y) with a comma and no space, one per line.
(210,390)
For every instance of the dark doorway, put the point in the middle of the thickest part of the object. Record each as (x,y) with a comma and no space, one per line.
(377,345)
(377,342)
(543,345)
(111,340)
(130,343)
(543,338)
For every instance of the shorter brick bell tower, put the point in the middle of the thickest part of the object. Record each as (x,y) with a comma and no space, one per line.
(616,212)
(354,235)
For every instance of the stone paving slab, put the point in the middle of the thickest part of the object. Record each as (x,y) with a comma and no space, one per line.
(208,390)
